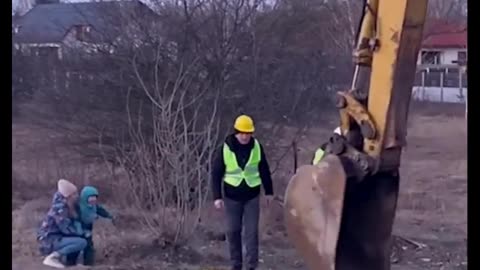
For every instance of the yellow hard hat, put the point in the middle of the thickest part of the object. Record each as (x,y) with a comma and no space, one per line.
(244,123)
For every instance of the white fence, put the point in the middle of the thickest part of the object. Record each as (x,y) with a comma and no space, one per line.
(440,94)
(440,83)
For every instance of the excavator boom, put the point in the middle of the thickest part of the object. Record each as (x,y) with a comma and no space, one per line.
(339,213)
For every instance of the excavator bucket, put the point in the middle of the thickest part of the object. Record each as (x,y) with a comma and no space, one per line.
(313,211)
(340,225)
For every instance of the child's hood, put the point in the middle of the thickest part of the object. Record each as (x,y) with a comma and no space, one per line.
(87,192)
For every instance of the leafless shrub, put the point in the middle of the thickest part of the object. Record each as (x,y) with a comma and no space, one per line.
(166,157)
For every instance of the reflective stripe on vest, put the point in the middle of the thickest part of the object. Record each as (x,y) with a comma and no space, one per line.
(318,156)
(234,175)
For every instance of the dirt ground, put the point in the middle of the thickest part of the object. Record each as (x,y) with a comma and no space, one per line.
(430,227)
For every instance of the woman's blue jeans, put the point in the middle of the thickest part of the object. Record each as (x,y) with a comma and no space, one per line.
(68,245)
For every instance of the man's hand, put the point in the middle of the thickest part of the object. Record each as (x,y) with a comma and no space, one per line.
(269,199)
(218,204)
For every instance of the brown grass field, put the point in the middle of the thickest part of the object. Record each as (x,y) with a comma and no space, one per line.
(430,227)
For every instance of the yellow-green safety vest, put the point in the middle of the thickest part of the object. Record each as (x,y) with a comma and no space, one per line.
(319,154)
(234,175)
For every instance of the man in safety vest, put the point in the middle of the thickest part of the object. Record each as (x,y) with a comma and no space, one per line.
(320,153)
(242,168)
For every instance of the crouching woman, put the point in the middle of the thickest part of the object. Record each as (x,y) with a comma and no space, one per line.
(59,234)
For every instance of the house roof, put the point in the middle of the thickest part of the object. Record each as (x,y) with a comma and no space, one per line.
(446,40)
(49,23)
(442,34)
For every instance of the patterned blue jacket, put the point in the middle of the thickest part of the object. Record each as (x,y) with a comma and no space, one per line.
(57,223)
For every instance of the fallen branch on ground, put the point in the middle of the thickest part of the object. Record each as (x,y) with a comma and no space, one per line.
(412,242)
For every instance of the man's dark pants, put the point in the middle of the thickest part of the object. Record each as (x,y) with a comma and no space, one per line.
(243,214)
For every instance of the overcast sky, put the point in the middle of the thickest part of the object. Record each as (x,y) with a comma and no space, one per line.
(24,5)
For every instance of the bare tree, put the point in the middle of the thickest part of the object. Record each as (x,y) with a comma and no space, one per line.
(167,166)
(20,7)
(156,96)
(453,10)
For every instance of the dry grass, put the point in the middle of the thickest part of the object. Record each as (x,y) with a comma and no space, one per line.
(432,206)
(434,175)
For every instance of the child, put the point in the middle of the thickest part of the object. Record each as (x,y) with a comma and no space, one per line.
(88,211)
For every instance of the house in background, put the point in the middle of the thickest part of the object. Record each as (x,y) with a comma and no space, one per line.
(444,44)
(49,37)
(48,29)
(441,64)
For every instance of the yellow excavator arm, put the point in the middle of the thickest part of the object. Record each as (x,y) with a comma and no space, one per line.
(339,213)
